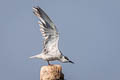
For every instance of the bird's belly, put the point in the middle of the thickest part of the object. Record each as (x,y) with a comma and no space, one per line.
(52,55)
(50,58)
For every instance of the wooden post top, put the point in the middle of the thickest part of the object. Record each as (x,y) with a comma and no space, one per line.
(51,72)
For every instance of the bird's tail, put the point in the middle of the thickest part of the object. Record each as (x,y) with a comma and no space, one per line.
(33,57)
(36,56)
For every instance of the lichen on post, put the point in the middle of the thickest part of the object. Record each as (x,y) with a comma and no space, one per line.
(51,72)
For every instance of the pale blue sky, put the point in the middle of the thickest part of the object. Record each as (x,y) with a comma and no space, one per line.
(89,35)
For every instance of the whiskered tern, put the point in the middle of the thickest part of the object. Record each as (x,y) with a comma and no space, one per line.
(50,34)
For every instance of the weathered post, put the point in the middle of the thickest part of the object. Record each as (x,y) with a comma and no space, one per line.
(51,72)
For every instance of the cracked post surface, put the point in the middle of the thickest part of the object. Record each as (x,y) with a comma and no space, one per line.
(51,72)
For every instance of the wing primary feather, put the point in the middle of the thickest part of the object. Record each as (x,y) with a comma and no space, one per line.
(48,29)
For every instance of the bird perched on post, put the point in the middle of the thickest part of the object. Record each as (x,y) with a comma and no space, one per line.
(50,34)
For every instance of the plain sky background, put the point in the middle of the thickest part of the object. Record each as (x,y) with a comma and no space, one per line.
(89,36)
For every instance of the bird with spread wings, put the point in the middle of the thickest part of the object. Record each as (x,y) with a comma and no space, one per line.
(50,34)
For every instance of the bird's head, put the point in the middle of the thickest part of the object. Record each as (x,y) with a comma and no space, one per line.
(64,59)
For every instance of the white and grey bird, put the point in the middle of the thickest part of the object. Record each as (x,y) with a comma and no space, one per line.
(50,34)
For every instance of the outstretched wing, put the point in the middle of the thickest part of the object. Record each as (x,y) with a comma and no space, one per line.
(48,30)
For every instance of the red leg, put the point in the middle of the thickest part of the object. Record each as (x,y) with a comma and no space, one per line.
(48,63)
